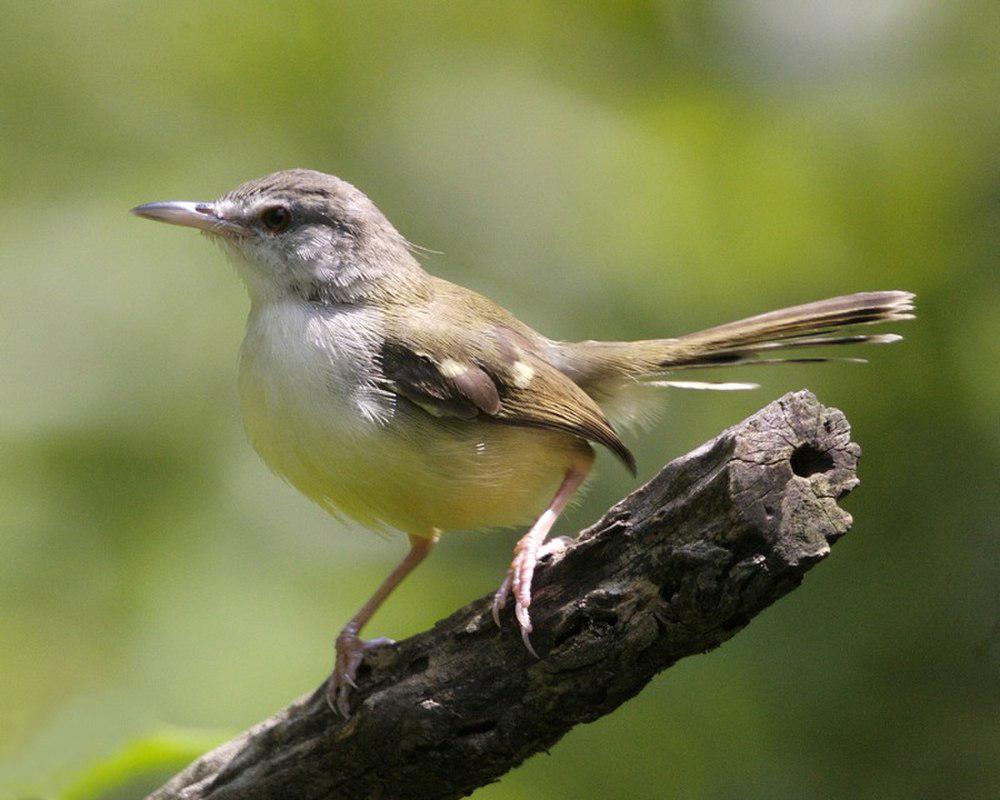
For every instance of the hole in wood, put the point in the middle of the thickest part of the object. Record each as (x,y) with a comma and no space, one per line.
(807,460)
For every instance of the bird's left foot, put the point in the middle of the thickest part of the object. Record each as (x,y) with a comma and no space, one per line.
(351,651)
(519,576)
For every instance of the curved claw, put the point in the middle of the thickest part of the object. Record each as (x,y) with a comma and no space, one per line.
(500,599)
(524,621)
(526,633)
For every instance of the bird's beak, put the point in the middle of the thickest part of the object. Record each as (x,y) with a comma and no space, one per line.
(191,215)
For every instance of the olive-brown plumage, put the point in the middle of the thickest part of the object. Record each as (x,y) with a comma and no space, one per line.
(404,401)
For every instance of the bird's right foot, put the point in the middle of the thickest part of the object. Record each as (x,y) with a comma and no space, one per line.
(519,578)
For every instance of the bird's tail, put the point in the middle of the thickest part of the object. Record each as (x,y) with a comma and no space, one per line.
(763,339)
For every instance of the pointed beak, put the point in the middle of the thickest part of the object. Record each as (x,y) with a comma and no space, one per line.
(191,215)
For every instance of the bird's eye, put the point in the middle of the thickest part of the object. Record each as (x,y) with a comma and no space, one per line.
(276,218)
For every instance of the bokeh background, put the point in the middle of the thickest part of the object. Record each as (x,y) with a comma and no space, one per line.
(605,169)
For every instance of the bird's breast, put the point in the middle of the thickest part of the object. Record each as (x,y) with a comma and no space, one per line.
(307,387)
(313,410)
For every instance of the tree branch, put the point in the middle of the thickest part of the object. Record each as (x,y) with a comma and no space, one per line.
(674,569)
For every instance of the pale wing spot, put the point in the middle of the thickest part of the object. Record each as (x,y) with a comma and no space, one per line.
(522,374)
(451,368)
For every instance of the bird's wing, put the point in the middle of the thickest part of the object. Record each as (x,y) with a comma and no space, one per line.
(491,374)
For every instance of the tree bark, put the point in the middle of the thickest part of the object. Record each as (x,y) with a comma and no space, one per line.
(674,569)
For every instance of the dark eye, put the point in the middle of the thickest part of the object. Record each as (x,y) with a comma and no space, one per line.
(276,218)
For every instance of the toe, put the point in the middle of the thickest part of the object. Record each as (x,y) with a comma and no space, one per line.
(350,653)
(523,617)
(347,679)
(500,599)
(330,694)
(344,703)
(525,637)
(524,621)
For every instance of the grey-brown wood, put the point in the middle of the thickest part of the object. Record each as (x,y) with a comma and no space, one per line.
(674,569)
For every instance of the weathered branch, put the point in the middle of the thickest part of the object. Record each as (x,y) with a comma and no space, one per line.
(674,569)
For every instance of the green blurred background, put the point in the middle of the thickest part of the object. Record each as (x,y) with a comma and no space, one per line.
(604,169)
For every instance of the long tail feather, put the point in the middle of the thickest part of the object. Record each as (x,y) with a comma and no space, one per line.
(822,341)
(799,326)
(600,367)
(704,385)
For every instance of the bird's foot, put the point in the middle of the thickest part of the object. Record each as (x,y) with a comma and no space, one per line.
(351,651)
(518,579)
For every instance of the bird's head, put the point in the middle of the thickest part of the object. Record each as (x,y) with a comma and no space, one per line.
(300,232)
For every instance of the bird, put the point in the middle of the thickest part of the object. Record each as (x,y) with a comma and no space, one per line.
(406,402)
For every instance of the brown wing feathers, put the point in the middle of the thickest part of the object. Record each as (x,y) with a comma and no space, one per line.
(551,400)
(444,388)
(504,383)
(505,372)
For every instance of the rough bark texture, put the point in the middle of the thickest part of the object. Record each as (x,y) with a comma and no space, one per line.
(674,569)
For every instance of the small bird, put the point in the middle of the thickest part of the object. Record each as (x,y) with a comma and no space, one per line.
(406,402)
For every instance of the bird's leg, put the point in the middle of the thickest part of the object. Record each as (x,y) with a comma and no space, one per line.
(350,647)
(531,547)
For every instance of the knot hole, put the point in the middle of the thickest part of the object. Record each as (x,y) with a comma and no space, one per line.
(806,460)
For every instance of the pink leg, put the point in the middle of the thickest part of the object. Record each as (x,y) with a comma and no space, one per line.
(530,548)
(350,647)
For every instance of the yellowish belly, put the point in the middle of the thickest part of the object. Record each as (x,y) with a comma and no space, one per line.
(387,463)
(418,476)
